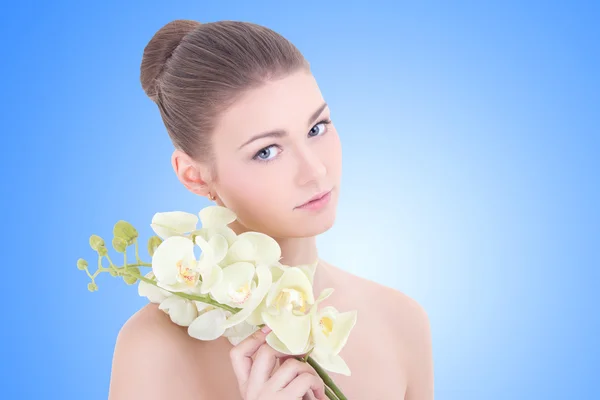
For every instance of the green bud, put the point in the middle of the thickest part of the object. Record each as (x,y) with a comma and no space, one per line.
(153,244)
(92,287)
(96,242)
(102,251)
(82,264)
(130,280)
(193,234)
(125,231)
(119,244)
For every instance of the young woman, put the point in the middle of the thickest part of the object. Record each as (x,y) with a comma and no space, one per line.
(252,132)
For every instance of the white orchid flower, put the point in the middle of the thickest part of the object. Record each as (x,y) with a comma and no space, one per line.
(243,286)
(173,223)
(330,331)
(175,266)
(154,293)
(277,270)
(239,332)
(286,311)
(209,323)
(247,275)
(215,220)
(181,311)
(276,343)
(213,252)
(254,247)
(216,216)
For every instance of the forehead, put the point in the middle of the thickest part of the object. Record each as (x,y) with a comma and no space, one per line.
(281,104)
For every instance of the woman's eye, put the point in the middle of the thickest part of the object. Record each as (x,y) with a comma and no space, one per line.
(315,131)
(266,154)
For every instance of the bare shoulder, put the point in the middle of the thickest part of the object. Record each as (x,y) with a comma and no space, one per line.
(409,324)
(385,297)
(152,359)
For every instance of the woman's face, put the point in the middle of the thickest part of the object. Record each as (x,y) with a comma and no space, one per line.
(264,179)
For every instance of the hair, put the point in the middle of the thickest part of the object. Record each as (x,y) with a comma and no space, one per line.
(195,71)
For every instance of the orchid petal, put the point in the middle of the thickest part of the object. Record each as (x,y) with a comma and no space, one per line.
(154,293)
(167,256)
(208,325)
(181,311)
(216,216)
(292,330)
(264,283)
(235,285)
(173,223)
(267,250)
(330,362)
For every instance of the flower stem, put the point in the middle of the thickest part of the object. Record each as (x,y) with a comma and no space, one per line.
(330,394)
(326,379)
(203,299)
(331,390)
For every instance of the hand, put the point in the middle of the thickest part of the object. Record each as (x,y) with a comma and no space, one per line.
(293,380)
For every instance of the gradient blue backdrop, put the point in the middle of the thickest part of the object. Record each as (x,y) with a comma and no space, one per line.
(471,161)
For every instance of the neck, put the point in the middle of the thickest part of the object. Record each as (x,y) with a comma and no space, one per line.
(297,251)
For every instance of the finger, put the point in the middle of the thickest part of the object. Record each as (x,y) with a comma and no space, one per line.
(264,363)
(241,355)
(289,370)
(304,383)
(310,396)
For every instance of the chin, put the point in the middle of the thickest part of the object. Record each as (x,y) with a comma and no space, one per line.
(312,225)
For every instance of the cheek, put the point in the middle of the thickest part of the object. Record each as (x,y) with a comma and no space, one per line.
(250,191)
(333,155)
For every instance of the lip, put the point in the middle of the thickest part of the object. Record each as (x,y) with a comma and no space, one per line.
(316,197)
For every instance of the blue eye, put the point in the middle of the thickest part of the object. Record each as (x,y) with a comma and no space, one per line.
(324,122)
(266,154)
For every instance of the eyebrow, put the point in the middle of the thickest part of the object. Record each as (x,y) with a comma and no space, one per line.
(278,133)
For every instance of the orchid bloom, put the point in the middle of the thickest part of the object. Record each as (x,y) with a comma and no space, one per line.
(247,275)
(215,220)
(181,311)
(175,266)
(173,223)
(330,331)
(152,292)
(208,325)
(286,312)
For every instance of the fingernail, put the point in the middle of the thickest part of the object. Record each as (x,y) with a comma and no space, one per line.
(265,329)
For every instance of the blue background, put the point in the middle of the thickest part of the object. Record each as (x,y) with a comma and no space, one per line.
(471,178)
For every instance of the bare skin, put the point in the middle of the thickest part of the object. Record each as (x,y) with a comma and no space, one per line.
(389,349)
(388,352)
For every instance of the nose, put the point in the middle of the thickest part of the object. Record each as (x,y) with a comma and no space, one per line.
(311,167)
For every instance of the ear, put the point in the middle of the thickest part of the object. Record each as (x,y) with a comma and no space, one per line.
(194,176)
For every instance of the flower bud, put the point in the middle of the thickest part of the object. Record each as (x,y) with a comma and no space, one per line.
(192,235)
(130,280)
(92,287)
(82,264)
(102,251)
(125,231)
(153,244)
(96,242)
(119,244)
